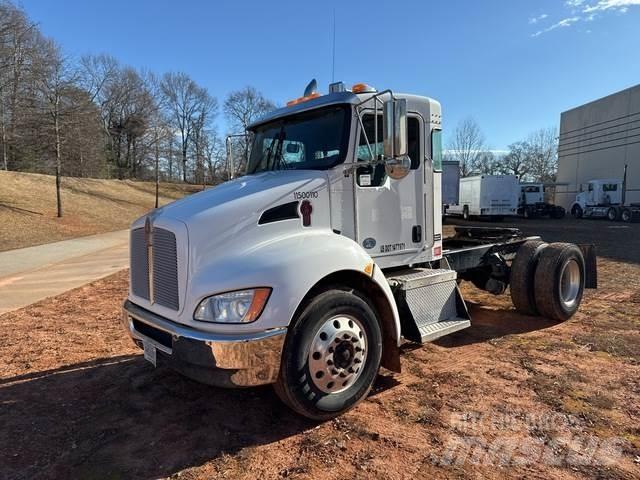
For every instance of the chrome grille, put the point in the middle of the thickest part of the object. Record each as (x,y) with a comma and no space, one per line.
(139,263)
(165,269)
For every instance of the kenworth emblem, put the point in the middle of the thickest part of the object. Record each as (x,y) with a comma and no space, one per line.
(148,240)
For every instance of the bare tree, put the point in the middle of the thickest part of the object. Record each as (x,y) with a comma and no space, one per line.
(543,154)
(56,81)
(467,145)
(242,108)
(486,163)
(185,102)
(517,161)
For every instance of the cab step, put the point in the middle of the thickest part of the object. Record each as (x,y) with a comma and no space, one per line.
(429,303)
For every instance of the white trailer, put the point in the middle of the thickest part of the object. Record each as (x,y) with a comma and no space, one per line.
(493,196)
(309,271)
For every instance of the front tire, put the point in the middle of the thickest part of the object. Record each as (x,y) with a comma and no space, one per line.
(331,356)
(465,213)
(577,212)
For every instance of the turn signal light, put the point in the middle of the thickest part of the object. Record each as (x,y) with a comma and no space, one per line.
(303,99)
(362,88)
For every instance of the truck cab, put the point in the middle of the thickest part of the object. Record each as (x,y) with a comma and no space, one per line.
(311,269)
(532,202)
(598,198)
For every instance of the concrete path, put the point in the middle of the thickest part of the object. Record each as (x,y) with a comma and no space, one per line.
(28,275)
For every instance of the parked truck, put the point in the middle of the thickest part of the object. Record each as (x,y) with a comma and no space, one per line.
(605,198)
(310,270)
(533,204)
(493,196)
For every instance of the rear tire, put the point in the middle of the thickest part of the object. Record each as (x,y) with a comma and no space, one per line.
(559,281)
(465,213)
(523,270)
(626,215)
(612,214)
(557,213)
(331,355)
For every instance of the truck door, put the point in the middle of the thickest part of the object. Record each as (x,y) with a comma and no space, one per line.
(390,214)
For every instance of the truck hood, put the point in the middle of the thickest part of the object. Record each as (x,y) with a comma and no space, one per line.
(224,220)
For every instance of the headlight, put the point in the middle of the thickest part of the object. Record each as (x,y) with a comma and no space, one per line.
(241,306)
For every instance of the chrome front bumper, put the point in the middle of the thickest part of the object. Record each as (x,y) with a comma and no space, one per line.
(212,358)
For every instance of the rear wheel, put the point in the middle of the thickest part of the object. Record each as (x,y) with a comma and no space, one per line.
(523,270)
(612,214)
(465,213)
(559,281)
(557,212)
(527,212)
(331,356)
(626,215)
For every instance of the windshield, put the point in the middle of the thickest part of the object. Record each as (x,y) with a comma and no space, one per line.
(315,140)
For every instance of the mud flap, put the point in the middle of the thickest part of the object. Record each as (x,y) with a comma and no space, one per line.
(590,265)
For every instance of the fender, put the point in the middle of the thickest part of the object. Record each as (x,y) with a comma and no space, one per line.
(291,265)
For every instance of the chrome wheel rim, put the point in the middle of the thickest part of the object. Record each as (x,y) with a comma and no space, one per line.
(625,215)
(338,354)
(570,283)
(612,215)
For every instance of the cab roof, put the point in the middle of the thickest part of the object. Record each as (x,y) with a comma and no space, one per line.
(348,98)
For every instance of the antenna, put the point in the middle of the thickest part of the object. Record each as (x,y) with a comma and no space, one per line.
(333,59)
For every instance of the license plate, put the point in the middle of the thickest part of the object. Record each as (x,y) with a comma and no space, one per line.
(149,352)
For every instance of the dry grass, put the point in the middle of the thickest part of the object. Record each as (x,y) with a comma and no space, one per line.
(28,206)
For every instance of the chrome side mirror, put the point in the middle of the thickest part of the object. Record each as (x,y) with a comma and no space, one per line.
(397,168)
(394,123)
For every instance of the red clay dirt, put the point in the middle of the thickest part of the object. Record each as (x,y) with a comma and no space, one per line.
(510,397)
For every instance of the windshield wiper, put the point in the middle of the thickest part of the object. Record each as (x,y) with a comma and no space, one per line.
(279,158)
(270,151)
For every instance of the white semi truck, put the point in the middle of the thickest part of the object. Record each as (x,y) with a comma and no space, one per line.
(532,203)
(493,196)
(605,198)
(309,271)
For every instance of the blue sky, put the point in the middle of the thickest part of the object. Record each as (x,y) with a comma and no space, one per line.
(512,65)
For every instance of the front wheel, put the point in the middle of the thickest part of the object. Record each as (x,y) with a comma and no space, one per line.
(576,211)
(331,356)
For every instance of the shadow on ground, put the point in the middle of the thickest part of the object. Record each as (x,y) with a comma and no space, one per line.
(489,324)
(122,419)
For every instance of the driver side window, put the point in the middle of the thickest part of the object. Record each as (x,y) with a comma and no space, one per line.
(375,176)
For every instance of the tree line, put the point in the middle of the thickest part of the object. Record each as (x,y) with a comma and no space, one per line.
(95,117)
(533,159)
